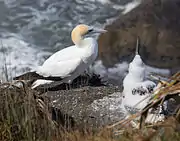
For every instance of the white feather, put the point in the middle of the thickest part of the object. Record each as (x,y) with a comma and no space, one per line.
(135,80)
(69,62)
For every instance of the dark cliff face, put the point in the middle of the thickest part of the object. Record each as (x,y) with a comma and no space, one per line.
(157,23)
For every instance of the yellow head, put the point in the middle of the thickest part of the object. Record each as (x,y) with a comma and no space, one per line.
(80,30)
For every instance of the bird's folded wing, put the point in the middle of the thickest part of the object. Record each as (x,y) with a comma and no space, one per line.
(68,53)
(60,69)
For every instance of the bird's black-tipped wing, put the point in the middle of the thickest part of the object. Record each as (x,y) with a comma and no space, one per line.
(28,76)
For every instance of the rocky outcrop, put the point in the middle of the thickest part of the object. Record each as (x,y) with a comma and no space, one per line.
(87,106)
(81,107)
(86,102)
(157,23)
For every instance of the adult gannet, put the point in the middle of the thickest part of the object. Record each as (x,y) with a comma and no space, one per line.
(66,64)
(136,89)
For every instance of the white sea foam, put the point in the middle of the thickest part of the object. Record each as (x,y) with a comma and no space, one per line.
(18,56)
(119,71)
(130,6)
(151,69)
(47,25)
(100,1)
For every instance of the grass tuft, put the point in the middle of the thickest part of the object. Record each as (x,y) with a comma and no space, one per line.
(25,116)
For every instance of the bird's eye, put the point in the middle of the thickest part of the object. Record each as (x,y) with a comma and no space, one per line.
(90,30)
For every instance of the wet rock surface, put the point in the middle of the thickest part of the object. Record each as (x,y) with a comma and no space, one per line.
(157,23)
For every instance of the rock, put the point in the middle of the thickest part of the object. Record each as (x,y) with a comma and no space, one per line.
(81,81)
(81,107)
(87,106)
(84,103)
(157,24)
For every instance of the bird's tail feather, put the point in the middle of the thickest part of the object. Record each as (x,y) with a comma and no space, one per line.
(34,76)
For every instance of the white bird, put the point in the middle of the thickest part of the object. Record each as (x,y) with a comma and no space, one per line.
(136,89)
(67,64)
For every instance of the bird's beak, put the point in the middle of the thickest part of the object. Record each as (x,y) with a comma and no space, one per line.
(97,30)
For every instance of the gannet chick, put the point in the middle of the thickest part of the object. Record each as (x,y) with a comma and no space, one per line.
(67,64)
(136,89)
